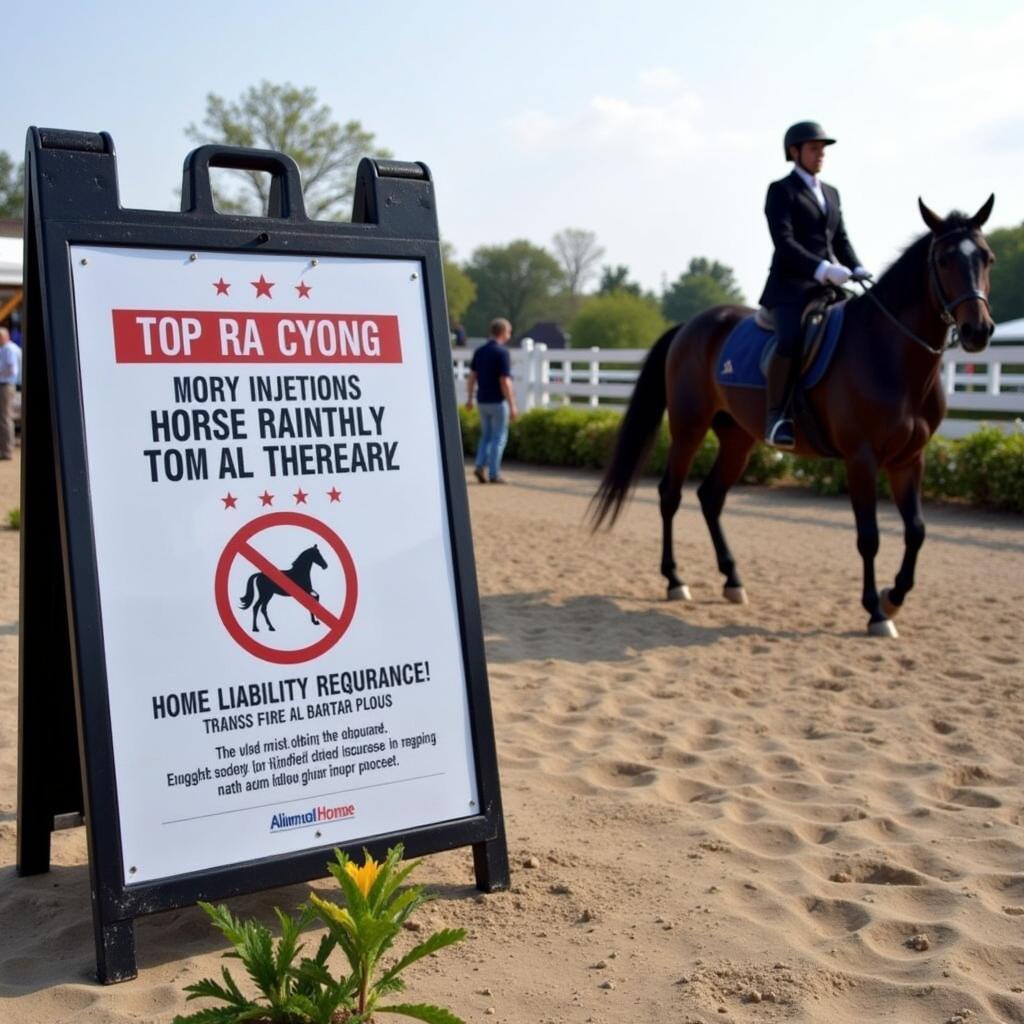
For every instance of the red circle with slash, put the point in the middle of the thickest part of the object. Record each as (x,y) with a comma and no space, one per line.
(239,546)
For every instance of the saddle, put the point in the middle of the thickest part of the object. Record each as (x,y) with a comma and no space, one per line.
(813,319)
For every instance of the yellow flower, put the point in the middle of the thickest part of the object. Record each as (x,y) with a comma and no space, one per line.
(339,915)
(364,876)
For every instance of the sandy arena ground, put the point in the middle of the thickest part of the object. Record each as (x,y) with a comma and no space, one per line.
(715,813)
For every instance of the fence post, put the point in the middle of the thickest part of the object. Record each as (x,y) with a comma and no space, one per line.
(566,380)
(994,375)
(524,381)
(543,396)
(949,371)
(595,372)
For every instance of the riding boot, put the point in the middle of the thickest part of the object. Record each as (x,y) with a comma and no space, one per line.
(779,430)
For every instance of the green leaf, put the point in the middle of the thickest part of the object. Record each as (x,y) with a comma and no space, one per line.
(399,877)
(437,941)
(422,1011)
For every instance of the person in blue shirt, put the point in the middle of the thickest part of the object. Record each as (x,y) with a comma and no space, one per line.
(490,378)
(10,374)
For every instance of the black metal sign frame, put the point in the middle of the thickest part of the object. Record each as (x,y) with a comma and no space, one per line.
(66,748)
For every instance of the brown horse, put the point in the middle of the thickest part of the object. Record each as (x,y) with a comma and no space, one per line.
(878,404)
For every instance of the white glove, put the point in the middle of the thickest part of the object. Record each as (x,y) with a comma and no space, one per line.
(836,273)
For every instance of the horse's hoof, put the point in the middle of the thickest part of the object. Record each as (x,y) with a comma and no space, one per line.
(680,593)
(737,595)
(885,627)
(889,609)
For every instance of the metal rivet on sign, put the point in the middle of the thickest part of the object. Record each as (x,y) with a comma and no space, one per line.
(413,276)
(318,834)
(315,262)
(85,262)
(472,803)
(193,257)
(132,870)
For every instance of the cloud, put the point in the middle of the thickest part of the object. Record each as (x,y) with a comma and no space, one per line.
(664,121)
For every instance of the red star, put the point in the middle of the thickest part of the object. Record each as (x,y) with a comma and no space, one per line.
(334,494)
(303,289)
(230,501)
(267,499)
(262,287)
(300,497)
(222,286)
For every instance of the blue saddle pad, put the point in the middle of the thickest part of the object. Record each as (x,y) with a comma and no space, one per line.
(739,365)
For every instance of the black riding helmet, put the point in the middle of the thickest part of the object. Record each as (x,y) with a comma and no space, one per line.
(804,131)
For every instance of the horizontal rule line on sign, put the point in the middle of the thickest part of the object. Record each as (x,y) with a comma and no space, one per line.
(205,336)
(304,798)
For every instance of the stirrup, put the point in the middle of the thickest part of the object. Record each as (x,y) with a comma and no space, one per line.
(782,434)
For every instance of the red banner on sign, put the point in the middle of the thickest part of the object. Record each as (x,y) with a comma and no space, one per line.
(202,336)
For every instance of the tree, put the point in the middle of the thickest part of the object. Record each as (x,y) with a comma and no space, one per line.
(12,187)
(517,281)
(578,252)
(1007,275)
(458,285)
(289,120)
(705,283)
(617,320)
(616,279)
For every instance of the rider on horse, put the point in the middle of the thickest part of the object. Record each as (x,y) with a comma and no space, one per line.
(811,252)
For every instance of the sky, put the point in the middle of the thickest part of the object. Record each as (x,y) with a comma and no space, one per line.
(655,125)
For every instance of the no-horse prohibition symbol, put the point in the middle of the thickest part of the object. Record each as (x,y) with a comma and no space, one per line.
(267,579)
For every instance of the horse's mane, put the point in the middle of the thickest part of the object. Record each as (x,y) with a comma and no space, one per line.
(902,278)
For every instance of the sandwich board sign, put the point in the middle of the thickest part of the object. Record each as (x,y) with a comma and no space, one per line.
(250,624)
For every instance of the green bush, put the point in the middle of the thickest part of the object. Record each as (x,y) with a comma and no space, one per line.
(469,423)
(976,453)
(594,441)
(986,468)
(942,475)
(14,518)
(1005,474)
(548,436)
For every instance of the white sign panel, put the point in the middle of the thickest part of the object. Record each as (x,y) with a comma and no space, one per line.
(276,587)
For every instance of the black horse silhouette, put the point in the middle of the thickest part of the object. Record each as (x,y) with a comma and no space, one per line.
(299,574)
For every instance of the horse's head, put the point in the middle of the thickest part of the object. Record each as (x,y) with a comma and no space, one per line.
(318,559)
(959,260)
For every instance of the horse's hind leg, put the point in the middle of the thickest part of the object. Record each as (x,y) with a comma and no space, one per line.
(734,446)
(670,489)
(906,491)
(316,597)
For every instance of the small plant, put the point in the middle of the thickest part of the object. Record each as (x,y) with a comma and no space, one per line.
(290,993)
(14,519)
(366,926)
(305,991)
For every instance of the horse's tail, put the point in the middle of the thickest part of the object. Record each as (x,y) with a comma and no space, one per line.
(636,434)
(247,599)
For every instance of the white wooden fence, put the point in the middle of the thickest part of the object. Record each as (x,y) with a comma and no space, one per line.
(978,385)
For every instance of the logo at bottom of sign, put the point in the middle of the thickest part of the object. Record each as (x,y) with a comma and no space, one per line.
(318,591)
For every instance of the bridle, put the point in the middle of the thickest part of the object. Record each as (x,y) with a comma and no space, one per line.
(948,305)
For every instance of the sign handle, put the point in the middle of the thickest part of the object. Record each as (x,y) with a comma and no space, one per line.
(285,200)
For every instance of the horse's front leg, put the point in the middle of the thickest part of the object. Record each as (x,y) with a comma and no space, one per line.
(316,597)
(862,472)
(906,492)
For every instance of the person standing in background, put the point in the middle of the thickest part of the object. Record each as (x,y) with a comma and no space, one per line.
(10,374)
(490,376)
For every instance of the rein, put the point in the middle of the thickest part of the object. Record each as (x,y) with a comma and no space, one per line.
(947,305)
